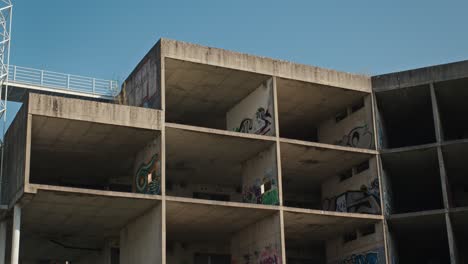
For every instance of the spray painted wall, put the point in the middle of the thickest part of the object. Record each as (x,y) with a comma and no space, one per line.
(259,243)
(140,240)
(365,249)
(260,179)
(142,87)
(357,194)
(254,114)
(354,130)
(147,169)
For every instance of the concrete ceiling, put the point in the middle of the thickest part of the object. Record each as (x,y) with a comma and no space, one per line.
(306,167)
(200,94)
(305,227)
(426,227)
(83,149)
(455,162)
(302,106)
(75,220)
(201,157)
(209,222)
(460,223)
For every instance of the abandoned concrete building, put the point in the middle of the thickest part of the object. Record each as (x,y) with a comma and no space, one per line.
(212,156)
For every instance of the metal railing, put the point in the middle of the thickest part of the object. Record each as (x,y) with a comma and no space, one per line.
(62,81)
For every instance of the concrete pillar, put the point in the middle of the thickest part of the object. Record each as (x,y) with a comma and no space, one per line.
(3,232)
(15,242)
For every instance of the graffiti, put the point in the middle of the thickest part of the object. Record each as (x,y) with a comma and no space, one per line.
(264,191)
(370,257)
(269,256)
(261,125)
(148,177)
(358,137)
(366,200)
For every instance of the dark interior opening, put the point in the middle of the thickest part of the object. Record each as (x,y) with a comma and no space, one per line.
(421,239)
(457,171)
(208,233)
(87,155)
(213,167)
(201,94)
(453,109)
(326,239)
(310,175)
(460,231)
(407,117)
(305,108)
(305,252)
(415,180)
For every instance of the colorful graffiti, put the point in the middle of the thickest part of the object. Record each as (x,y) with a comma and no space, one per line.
(358,137)
(370,257)
(148,177)
(263,191)
(262,124)
(269,255)
(366,200)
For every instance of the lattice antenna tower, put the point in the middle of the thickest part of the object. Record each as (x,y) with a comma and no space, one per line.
(6,9)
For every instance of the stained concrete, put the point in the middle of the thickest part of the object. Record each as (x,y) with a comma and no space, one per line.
(57,224)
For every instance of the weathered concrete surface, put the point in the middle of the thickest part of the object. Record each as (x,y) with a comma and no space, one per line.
(141,239)
(56,217)
(15,157)
(84,110)
(262,65)
(444,72)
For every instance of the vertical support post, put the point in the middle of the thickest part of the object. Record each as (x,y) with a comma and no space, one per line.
(14,73)
(15,243)
(111,88)
(42,77)
(94,85)
(68,81)
(3,233)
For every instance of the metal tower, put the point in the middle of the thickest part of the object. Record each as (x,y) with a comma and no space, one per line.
(6,9)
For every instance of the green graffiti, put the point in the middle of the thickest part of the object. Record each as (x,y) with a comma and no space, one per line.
(148,177)
(271,197)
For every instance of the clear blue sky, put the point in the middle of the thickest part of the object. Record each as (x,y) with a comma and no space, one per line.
(107,38)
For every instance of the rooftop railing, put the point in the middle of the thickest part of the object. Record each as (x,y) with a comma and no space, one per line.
(62,82)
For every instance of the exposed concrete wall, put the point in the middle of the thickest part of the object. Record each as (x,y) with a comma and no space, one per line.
(187,190)
(260,178)
(98,112)
(15,156)
(184,253)
(234,60)
(358,194)
(140,240)
(420,76)
(365,249)
(355,130)
(143,86)
(258,243)
(147,169)
(255,113)
(95,258)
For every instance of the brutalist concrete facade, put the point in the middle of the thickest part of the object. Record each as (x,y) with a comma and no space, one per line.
(213,156)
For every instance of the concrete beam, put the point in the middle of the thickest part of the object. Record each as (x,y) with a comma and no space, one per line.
(426,75)
(241,61)
(97,112)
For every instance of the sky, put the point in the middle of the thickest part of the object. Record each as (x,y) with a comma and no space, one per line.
(107,38)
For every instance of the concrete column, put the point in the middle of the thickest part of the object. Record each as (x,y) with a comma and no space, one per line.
(15,243)
(3,232)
